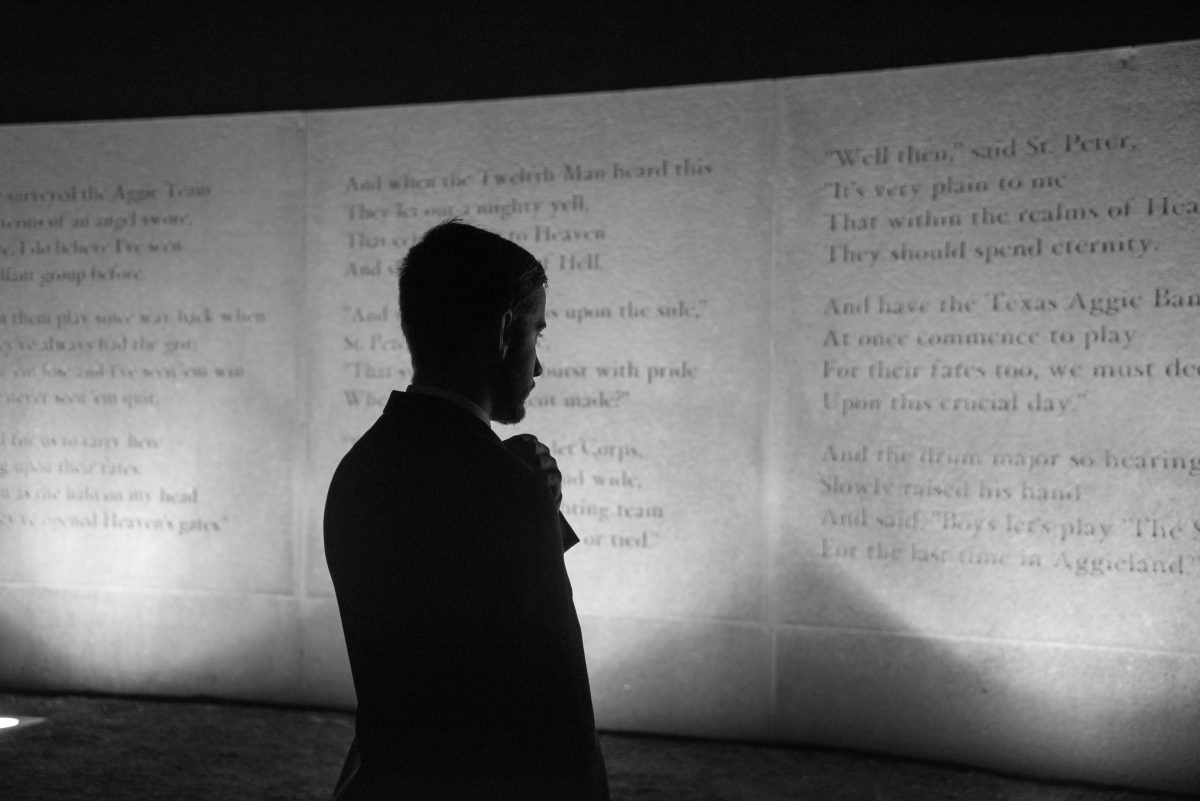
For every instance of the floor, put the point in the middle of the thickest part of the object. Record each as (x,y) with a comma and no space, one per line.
(100,747)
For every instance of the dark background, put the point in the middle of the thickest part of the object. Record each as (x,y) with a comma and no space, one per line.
(104,60)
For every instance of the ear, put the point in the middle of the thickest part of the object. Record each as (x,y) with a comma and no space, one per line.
(506,332)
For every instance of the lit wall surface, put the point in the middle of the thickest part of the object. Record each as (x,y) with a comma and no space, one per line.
(872,396)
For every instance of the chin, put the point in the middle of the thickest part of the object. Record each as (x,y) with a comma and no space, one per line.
(510,413)
(511,408)
(510,417)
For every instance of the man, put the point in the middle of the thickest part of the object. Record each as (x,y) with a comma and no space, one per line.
(446,550)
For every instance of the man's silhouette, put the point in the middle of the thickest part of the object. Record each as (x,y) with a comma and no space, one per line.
(446,550)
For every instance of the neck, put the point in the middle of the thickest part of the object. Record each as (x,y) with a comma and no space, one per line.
(471,390)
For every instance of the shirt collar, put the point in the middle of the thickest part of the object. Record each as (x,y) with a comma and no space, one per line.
(453,397)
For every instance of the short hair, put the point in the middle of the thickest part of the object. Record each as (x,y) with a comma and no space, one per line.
(454,282)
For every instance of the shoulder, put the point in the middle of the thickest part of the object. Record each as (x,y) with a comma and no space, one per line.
(415,429)
(425,456)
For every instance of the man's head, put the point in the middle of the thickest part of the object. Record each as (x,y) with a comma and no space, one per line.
(472,304)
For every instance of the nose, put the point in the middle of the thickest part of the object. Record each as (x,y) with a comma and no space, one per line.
(537,367)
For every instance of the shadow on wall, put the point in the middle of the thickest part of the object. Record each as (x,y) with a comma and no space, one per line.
(26,663)
(154,643)
(877,683)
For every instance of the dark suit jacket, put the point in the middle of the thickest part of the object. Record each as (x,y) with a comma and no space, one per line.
(447,558)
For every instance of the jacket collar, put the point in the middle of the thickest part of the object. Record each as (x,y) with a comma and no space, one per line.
(453,397)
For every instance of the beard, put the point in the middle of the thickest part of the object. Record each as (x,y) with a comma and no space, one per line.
(512,386)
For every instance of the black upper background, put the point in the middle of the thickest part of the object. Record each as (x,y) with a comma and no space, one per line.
(106,60)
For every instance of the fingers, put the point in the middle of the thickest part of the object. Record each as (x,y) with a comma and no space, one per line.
(538,457)
(531,451)
(544,459)
(523,439)
(525,446)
